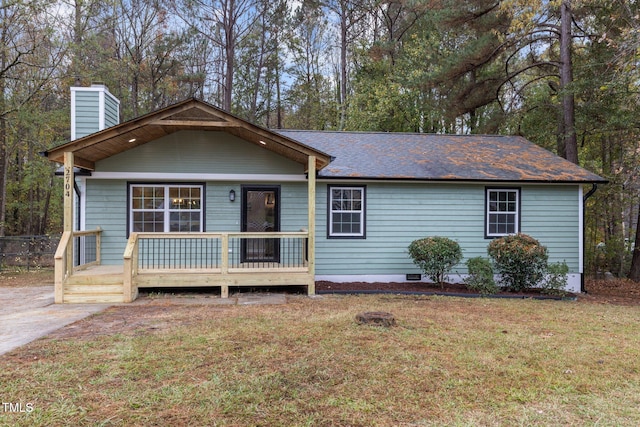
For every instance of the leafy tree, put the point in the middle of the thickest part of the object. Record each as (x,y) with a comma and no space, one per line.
(472,47)
(148,55)
(352,16)
(29,58)
(387,92)
(310,99)
(224,24)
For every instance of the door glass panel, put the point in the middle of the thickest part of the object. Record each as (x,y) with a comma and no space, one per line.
(260,215)
(260,211)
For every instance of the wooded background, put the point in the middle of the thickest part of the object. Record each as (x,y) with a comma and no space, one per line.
(562,73)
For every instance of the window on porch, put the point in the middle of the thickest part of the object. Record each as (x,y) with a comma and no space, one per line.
(166,208)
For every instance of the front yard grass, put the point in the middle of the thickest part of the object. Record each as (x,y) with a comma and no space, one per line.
(449,361)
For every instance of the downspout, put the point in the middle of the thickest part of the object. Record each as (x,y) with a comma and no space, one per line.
(594,188)
(76,190)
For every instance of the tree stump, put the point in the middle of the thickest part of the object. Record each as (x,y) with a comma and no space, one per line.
(379,318)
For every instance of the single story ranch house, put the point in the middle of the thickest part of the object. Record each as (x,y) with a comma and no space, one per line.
(191,195)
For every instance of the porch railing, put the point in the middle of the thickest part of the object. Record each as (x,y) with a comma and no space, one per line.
(86,252)
(221,254)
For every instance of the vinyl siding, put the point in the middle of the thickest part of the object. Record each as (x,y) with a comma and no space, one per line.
(200,152)
(106,207)
(400,213)
(396,214)
(87,112)
(551,215)
(111,110)
(223,215)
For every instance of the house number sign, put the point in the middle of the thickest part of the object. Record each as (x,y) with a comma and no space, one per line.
(67,181)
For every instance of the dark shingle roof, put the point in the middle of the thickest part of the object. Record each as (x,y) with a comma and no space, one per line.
(375,155)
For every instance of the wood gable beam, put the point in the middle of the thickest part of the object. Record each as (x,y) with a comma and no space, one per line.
(194,123)
(217,119)
(84,163)
(268,136)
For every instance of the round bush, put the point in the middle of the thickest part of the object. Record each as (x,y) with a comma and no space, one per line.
(435,256)
(556,281)
(520,260)
(480,278)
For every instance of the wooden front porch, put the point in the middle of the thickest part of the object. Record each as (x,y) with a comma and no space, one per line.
(180,260)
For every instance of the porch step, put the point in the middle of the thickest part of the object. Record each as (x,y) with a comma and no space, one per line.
(93,299)
(97,280)
(94,293)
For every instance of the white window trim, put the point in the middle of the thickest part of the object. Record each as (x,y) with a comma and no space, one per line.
(166,210)
(488,213)
(330,232)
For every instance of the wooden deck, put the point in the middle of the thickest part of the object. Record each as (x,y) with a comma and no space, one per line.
(105,283)
(96,283)
(187,264)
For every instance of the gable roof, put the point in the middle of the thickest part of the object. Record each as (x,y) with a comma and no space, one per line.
(188,114)
(361,155)
(377,155)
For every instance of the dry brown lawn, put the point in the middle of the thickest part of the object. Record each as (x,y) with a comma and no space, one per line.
(449,361)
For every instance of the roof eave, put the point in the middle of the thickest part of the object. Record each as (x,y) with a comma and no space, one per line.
(462,180)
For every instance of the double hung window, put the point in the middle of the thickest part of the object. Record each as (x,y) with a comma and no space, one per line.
(503,211)
(346,212)
(165,208)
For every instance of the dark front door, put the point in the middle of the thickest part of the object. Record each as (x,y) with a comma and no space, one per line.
(260,213)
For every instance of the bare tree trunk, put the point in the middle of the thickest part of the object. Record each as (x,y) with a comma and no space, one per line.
(229,23)
(3,165)
(77,40)
(560,137)
(634,272)
(135,90)
(44,219)
(4,161)
(278,88)
(253,113)
(566,78)
(343,71)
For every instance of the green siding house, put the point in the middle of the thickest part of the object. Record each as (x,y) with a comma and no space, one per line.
(192,196)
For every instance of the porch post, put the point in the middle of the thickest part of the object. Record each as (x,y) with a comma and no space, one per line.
(224,265)
(311,251)
(67,219)
(69,180)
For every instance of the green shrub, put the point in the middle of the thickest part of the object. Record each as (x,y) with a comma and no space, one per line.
(555,282)
(480,278)
(435,256)
(520,260)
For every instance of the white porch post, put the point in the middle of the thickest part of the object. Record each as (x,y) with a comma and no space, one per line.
(311,254)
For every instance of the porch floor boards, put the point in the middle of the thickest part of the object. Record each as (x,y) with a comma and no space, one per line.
(99,270)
